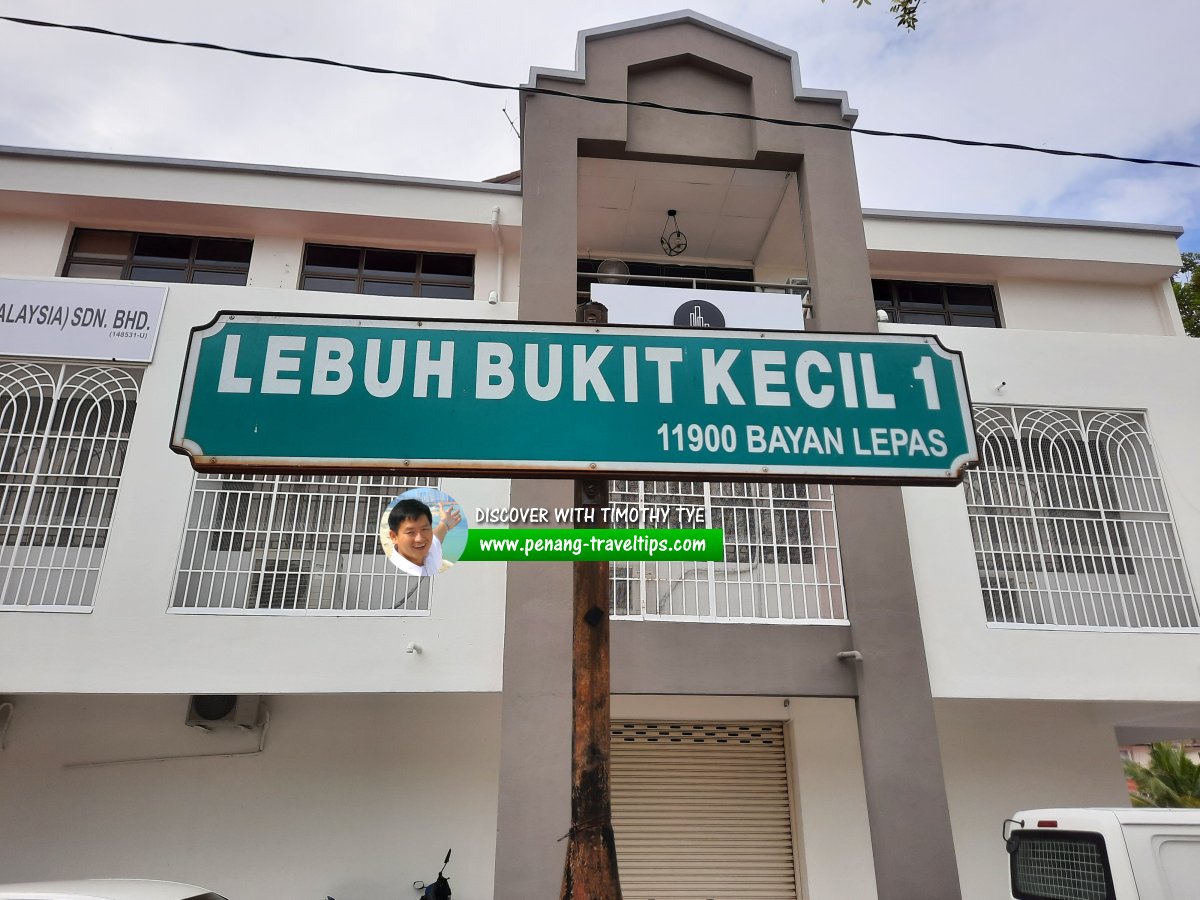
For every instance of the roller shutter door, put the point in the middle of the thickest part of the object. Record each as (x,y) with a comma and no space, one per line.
(701,811)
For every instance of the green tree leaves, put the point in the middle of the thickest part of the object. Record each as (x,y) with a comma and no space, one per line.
(905,11)
(1170,780)
(1187,293)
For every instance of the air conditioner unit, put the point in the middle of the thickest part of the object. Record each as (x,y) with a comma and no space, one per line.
(799,286)
(305,579)
(793,284)
(216,712)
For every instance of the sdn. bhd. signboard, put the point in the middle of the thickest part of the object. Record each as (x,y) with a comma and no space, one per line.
(520,399)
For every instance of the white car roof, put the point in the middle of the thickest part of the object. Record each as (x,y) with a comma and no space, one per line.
(101,889)
(1123,814)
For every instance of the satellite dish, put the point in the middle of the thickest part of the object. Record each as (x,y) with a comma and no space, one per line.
(612,271)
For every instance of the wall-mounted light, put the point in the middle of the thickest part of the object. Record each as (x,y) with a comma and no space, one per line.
(673,241)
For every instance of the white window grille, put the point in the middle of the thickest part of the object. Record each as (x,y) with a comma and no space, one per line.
(781,564)
(294,544)
(1071,523)
(63,434)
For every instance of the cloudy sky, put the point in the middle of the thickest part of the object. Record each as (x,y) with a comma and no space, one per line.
(1115,76)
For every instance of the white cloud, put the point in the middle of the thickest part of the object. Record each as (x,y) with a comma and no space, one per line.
(1080,74)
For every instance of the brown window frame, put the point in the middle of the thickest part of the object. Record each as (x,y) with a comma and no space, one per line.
(895,296)
(133,263)
(423,284)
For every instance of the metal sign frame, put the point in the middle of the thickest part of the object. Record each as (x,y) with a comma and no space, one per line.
(202,460)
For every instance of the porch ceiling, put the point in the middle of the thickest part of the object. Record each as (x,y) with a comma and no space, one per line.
(726,213)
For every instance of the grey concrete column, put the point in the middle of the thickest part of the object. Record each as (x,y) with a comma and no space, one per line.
(534,808)
(535,733)
(909,818)
(902,766)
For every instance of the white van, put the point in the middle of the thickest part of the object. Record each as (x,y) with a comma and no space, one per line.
(1104,854)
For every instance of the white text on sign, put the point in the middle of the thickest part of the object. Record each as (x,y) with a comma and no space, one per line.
(547,372)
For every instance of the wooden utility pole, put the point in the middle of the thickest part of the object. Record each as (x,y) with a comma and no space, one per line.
(591,868)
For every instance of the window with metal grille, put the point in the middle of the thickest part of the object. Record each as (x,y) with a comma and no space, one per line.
(1071,523)
(1068,865)
(387,273)
(63,433)
(935,303)
(174,258)
(781,564)
(304,544)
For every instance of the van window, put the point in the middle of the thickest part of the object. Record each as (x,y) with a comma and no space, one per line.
(1063,865)
(1179,862)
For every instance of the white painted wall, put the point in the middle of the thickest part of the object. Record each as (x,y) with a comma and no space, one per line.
(969,659)
(354,796)
(1039,305)
(1002,756)
(831,834)
(32,246)
(36,247)
(1017,239)
(131,643)
(278,260)
(279,207)
(259,187)
(1051,276)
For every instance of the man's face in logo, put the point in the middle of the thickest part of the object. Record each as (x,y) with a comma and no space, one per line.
(413,538)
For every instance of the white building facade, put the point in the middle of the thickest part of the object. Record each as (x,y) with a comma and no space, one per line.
(1012,631)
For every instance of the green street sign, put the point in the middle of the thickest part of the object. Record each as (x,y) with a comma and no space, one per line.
(279,392)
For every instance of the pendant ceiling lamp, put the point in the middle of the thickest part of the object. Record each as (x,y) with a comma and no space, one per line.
(673,241)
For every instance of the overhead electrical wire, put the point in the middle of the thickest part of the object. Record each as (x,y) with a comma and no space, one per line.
(611,101)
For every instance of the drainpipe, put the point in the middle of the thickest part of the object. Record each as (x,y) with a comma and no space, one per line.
(494,296)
